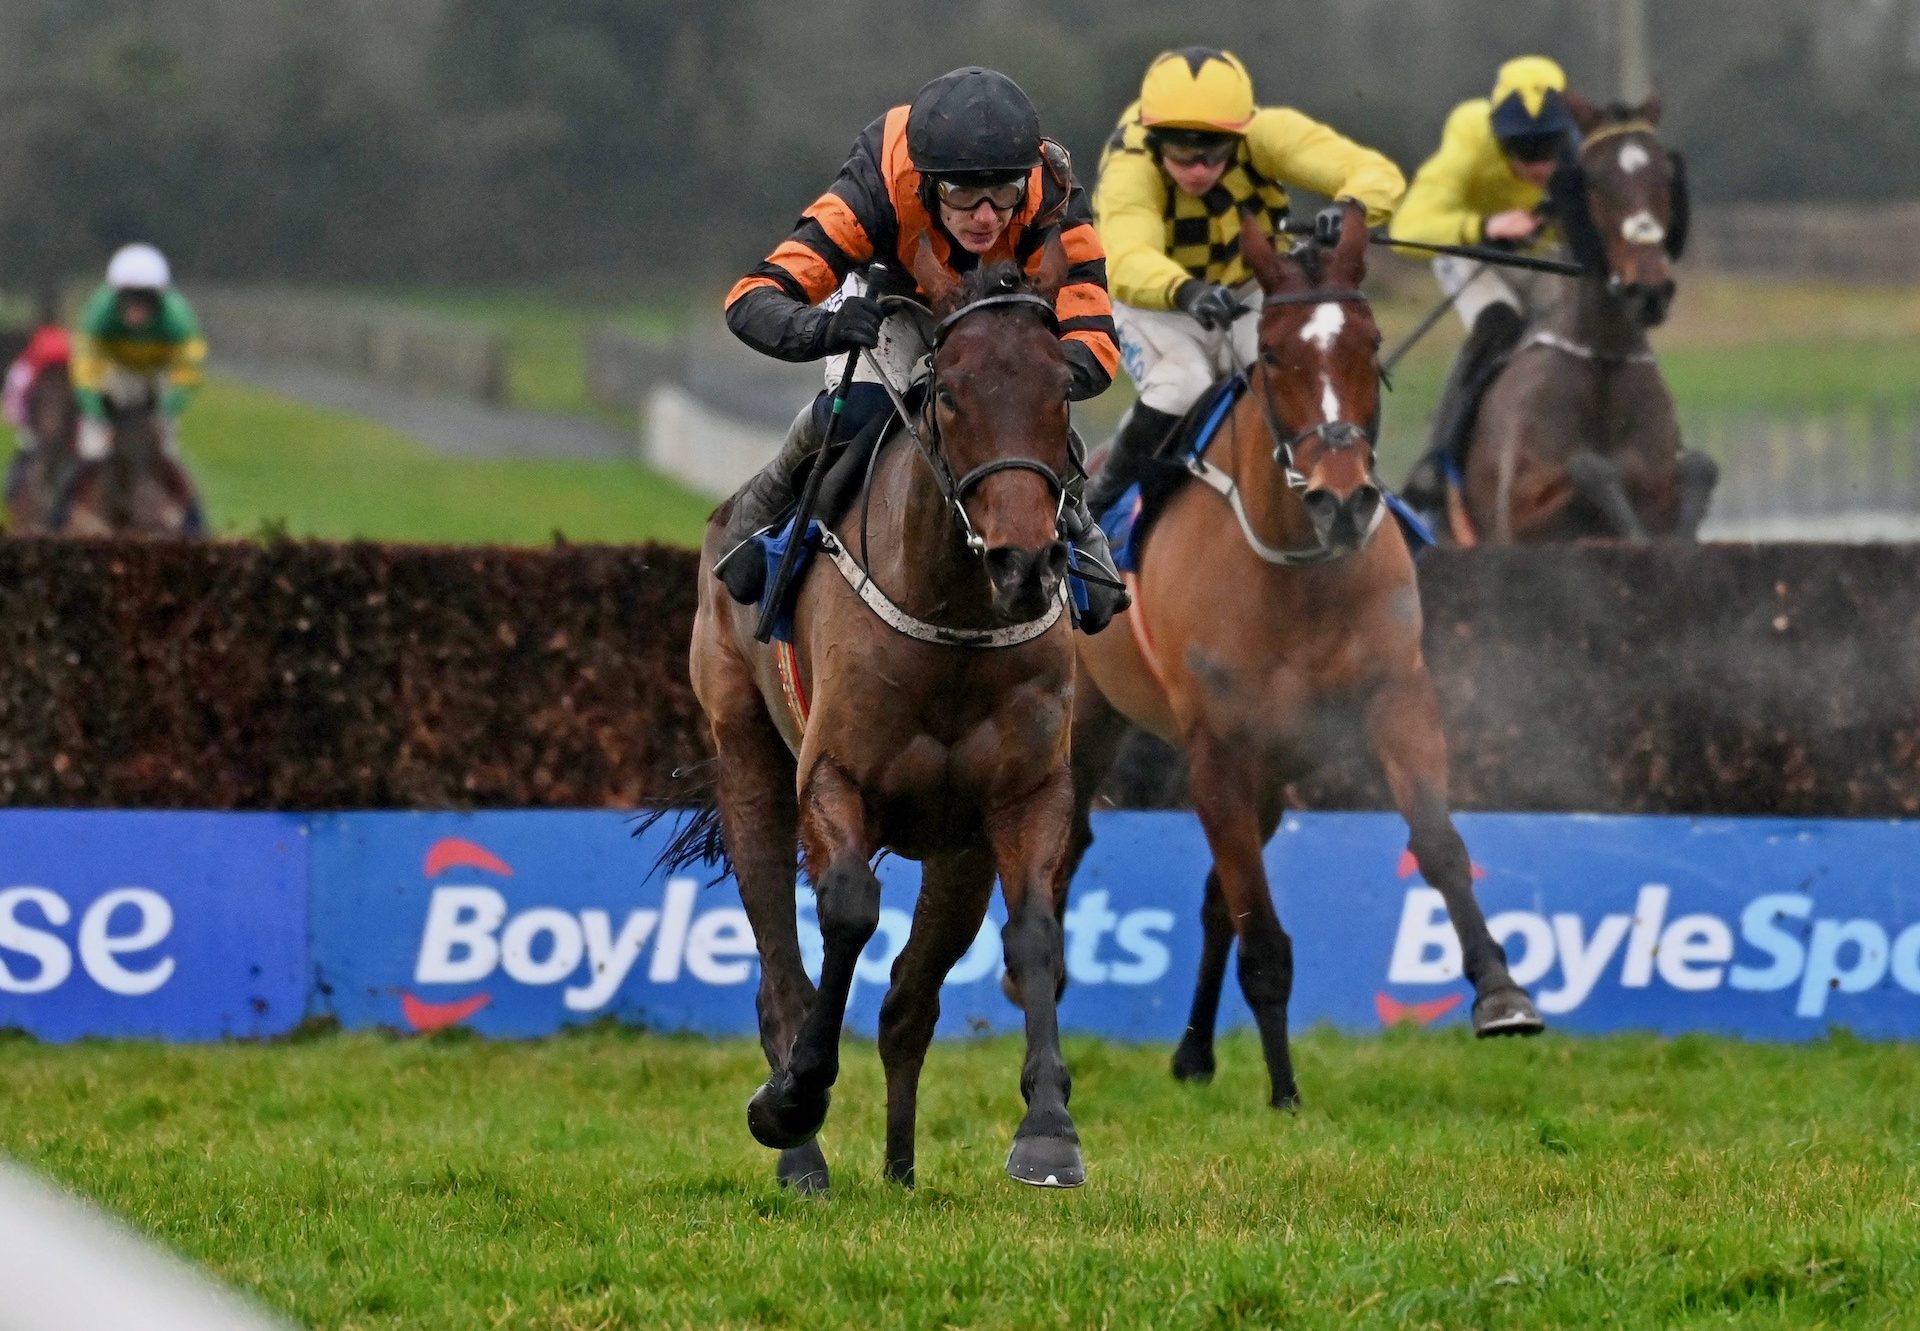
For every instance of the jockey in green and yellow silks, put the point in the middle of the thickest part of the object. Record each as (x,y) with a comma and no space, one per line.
(137,344)
(1186,161)
(1485,185)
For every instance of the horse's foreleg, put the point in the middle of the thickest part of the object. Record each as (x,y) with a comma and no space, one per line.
(1193,1057)
(1029,839)
(1698,475)
(946,920)
(759,818)
(789,1109)
(1227,794)
(1600,482)
(1404,732)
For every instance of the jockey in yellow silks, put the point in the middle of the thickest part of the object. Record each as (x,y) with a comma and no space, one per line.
(1485,185)
(1185,162)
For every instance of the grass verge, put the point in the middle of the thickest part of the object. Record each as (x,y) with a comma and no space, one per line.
(607,1180)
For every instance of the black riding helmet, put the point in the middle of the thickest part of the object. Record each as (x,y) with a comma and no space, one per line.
(973,122)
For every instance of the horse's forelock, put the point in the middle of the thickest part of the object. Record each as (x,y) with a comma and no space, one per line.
(1005,278)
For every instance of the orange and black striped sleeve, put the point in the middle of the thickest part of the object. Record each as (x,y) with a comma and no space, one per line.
(773,309)
(1082,307)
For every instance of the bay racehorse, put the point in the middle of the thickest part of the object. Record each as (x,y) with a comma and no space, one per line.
(922,709)
(1273,601)
(55,419)
(1578,435)
(140,489)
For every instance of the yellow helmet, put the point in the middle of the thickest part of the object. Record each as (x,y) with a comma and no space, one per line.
(1529,98)
(1197,87)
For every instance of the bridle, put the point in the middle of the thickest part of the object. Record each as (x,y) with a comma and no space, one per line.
(954,492)
(1334,434)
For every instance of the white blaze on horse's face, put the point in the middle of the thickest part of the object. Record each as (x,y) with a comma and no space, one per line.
(1321,330)
(1633,158)
(1643,228)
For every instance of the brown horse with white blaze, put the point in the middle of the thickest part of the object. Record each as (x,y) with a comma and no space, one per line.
(1578,435)
(1274,599)
(937,728)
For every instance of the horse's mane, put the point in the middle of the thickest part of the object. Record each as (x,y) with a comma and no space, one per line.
(1005,278)
(1312,259)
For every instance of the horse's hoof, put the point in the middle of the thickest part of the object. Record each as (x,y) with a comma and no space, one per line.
(803,1169)
(780,1120)
(1506,1012)
(1287,1102)
(1046,1162)
(901,1172)
(1193,1062)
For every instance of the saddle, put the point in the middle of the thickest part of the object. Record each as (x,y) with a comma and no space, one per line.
(846,474)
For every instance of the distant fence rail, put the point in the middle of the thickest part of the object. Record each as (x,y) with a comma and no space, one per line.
(1854,470)
(397,348)
(1856,242)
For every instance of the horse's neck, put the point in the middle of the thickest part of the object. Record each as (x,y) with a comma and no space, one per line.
(1593,319)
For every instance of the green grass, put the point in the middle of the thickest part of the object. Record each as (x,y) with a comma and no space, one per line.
(265,462)
(607,1180)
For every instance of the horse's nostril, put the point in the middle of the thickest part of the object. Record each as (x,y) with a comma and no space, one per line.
(1323,506)
(1056,559)
(1005,563)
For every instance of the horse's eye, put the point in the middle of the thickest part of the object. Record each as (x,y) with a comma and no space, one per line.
(1267,355)
(947,401)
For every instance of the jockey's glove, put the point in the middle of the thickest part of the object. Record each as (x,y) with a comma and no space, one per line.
(1211,305)
(854,326)
(94,442)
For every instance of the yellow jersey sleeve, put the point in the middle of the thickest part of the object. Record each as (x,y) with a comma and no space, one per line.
(1439,207)
(1129,210)
(1298,150)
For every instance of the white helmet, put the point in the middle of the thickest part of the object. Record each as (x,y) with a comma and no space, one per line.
(139,267)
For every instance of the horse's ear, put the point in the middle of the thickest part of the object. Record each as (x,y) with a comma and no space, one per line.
(1267,265)
(933,278)
(1349,264)
(1585,114)
(1051,275)
(1649,110)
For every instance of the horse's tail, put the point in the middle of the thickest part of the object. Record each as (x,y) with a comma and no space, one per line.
(699,840)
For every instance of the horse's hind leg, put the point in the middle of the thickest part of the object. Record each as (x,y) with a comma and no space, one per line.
(758,817)
(1029,840)
(1698,475)
(953,901)
(1403,729)
(1227,794)
(1193,1057)
(789,1109)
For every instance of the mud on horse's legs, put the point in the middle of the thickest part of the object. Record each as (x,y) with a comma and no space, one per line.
(789,1109)
(1226,795)
(1403,729)
(946,920)
(1030,858)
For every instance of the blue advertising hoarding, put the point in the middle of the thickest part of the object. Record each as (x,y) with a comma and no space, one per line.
(179,926)
(202,926)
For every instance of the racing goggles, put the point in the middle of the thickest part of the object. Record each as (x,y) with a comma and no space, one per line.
(1534,147)
(1184,148)
(964,194)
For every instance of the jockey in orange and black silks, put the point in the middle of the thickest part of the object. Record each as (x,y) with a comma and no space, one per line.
(965,171)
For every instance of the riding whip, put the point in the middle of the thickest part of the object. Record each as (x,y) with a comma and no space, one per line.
(803,513)
(1487,254)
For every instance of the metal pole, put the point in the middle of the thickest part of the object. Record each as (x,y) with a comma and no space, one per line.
(1636,61)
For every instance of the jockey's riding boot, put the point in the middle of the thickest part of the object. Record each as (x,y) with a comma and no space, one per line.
(1491,338)
(761,502)
(1140,437)
(1090,548)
